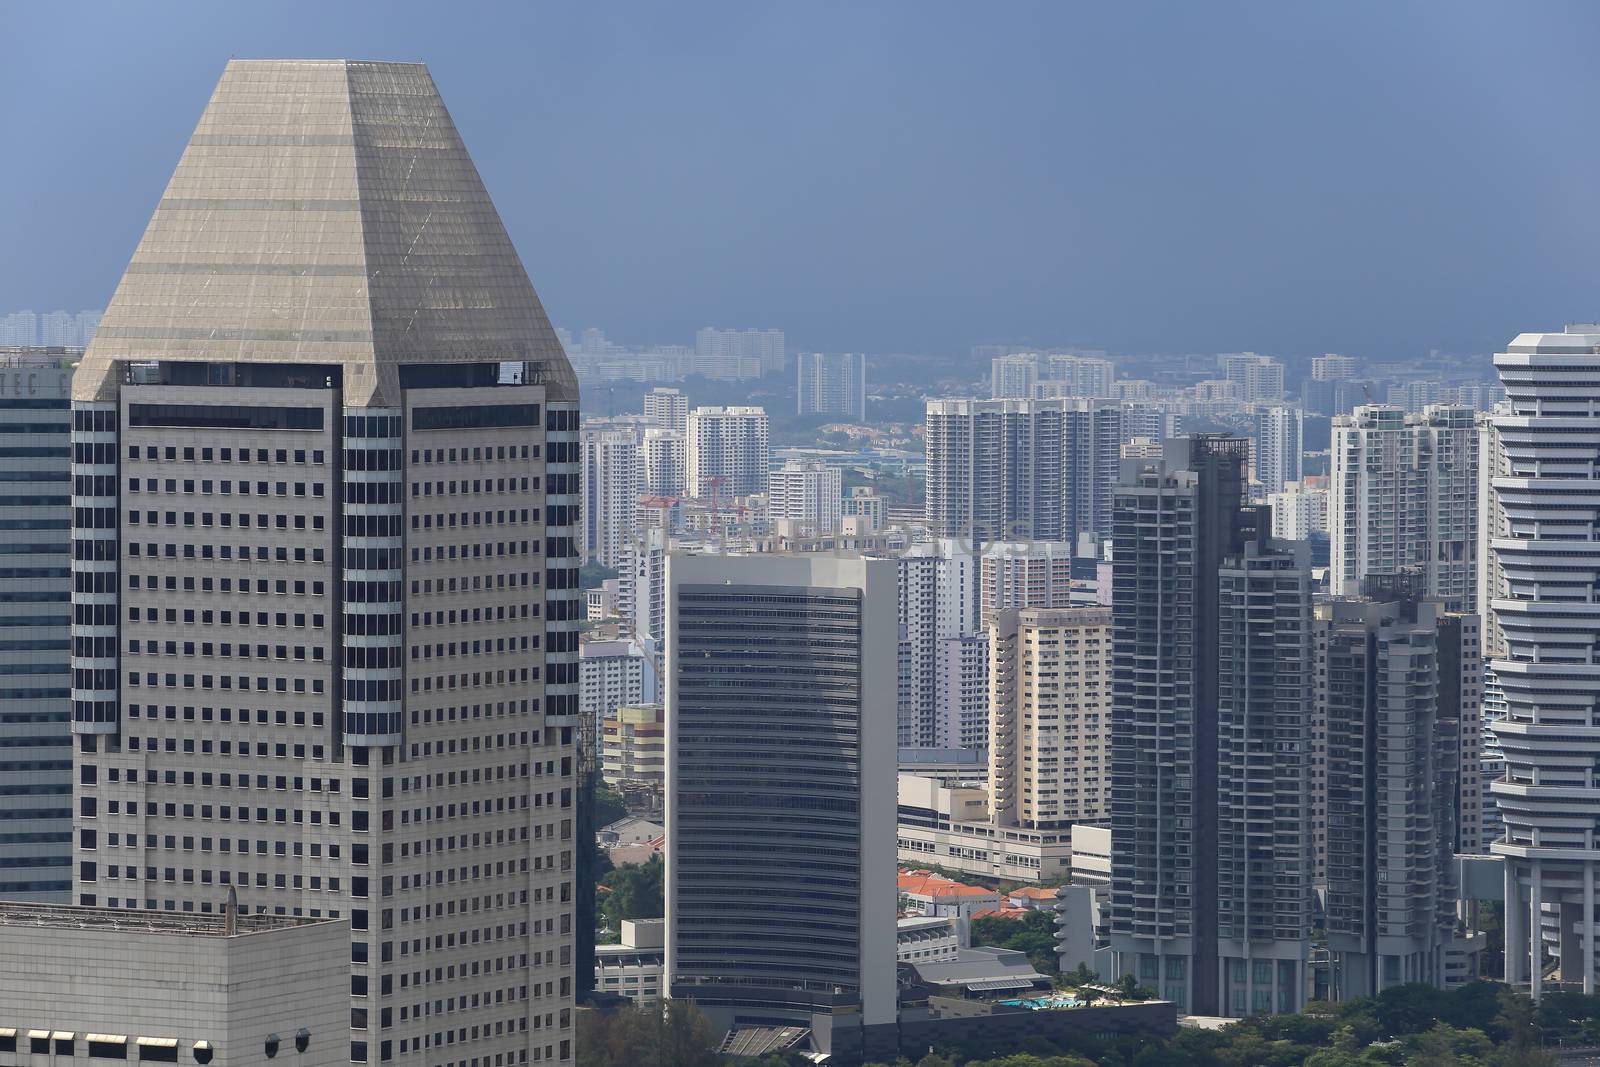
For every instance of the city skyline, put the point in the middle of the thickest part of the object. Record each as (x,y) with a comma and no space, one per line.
(1276,232)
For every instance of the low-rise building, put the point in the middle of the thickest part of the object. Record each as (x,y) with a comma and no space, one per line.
(633,967)
(928,894)
(946,822)
(82,985)
(926,939)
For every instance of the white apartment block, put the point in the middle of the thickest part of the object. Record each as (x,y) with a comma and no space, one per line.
(1299,511)
(613,479)
(1260,378)
(1404,495)
(82,986)
(938,589)
(325,572)
(667,408)
(666,468)
(1334,368)
(1023,574)
(808,494)
(614,674)
(1050,717)
(1279,441)
(729,443)
(865,502)
(764,348)
(961,694)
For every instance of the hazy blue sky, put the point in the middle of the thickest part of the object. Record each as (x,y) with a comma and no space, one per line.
(1373,178)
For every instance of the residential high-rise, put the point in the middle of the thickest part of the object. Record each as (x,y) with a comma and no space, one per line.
(1392,758)
(1023,574)
(1050,717)
(765,348)
(832,383)
(937,603)
(665,464)
(325,566)
(667,408)
(613,480)
(729,443)
(1179,522)
(1331,367)
(1545,599)
(1260,378)
(58,329)
(1280,440)
(1265,857)
(19,329)
(36,639)
(1404,495)
(612,674)
(1021,469)
(781,793)
(1031,375)
(808,493)
(961,692)
(1300,511)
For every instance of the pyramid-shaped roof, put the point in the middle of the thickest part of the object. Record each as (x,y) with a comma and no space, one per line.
(326,212)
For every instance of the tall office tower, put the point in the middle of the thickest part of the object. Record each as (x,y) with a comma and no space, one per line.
(1021,469)
(961,692)
(781,793)
(1404,495)
(325,566)
(1334,368)
(667,408)
(1391,751)
(765,347)
(58,329)
(1265,857)
(86,323)
(832,384)
(730,444)
(1178,520)
(937,598)
(35,626)
(1260,378)
(613,479)
(1050,717)
(665,464)
(20,329)
(808,493)
(1013,376)
(1546,544)
(1279,441)
(1023,574)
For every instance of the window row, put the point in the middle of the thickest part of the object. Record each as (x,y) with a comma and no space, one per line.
(451,519)
(208,617)
(222,488)
(476,485)
(224,682)
(171,582)
(225,519)
(225,455)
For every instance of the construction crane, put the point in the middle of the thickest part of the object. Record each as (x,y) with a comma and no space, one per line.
(716,482)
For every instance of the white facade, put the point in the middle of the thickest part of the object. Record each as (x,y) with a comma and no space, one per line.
(1404,494)
(1280,440)
(947,824)
(1545,598)
(635,966)
(1023,574)
(613,674)
(666,468)
(832,384)
(728,443)
(1259,378)
(613,478)
(961,699)
(667,408)
(807,493)
(937,603)
(1334,368)
(1299,511)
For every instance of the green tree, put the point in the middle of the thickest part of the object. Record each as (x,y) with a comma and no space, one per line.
(1034,934)
(608,806)
(633,891)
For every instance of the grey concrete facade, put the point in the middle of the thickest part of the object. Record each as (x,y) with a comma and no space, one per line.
(35,624)
(88,985)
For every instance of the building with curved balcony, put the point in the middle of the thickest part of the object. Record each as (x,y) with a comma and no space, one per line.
(1544,595)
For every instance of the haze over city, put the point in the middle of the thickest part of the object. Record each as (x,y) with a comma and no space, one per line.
(1374,178)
